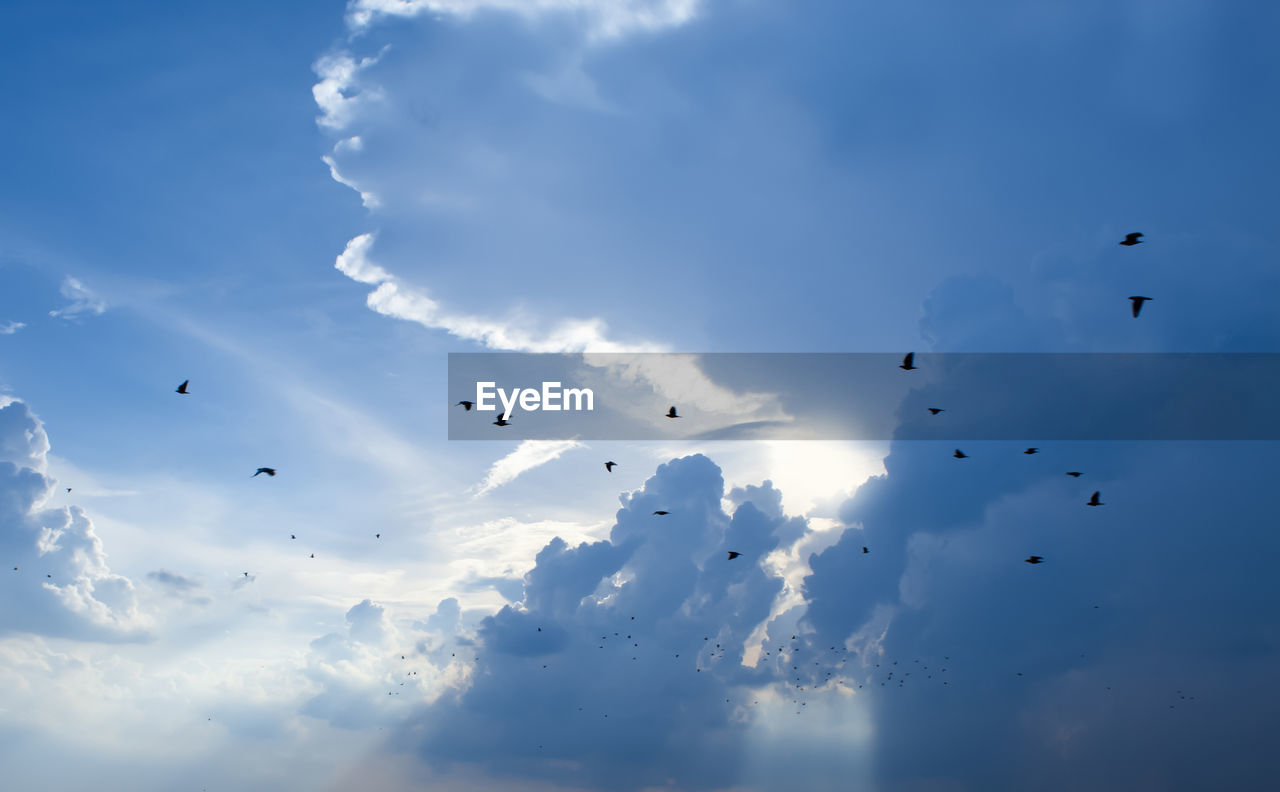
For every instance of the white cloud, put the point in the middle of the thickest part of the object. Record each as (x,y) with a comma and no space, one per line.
(603,20)
(391,298)
(338,93)
(11,327)
(527,456)
(82,300)
(60,583)
(369,199)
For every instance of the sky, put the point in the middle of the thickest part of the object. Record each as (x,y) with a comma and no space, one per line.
(304,208)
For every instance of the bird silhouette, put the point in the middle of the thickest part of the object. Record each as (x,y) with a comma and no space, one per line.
(291,536)
(1031,451)
(1132,239)
(935,410)
(467,405)
(660,512)
(609,466)
(960,454)
(865,550)
(268,471)
(183,387)
(1095,499)
(68,489)
(1074,473)
(672,412)
(1137,305)
(313,555)
(377,536)
(501,421)
(733,555)
(908,361)
(1035,559)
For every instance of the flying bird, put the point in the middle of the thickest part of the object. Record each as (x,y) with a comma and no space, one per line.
(1137,305)
(68,489)
(865,550)
(1074,473)
(1096,499)
(609,466)
(960,454)
(1031,451)
(908,361)
(377,536)
(467,405)
(291,536)
(183,387)
(935,410)
(1132,239)
(313,555)
(660,512)
(672,412)
(501,421)
(733,555)
(268,471)
(1035,559)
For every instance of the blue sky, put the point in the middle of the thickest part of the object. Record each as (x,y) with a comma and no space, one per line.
(304,207)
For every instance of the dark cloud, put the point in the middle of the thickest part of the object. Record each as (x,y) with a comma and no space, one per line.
(569,703)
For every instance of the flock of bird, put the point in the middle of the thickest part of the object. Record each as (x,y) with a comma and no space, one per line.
(781,655)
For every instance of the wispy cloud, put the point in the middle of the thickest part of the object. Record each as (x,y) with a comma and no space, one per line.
(527,456)
(82,300)
(11,327)
(603,20)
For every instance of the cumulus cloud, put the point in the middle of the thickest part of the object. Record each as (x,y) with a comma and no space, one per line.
(340,93)
(83,302)
(57,580)
(527,456)
(614,669)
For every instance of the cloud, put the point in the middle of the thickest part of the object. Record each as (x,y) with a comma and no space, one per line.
(527,456)
(10,327)
(173,580)
(62,584)
(391,298)
(614,670)
(340,93)
(602,20)
(82,300)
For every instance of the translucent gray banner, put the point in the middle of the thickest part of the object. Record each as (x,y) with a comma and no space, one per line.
(862,396)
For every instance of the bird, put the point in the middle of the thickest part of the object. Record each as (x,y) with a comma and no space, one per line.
(908,361)
(467,405)
(960,454)
(246,574)
(865,550)
(1074,473)
(1132,239)
(609,466)
(1034,559)
(1031,451)
(733,555)
(313,555)
(1137,305)
(935,410)
(1095,499)
(183,387)
(501,421)
(291,536)
(377,536)
(268,471)
(68,489)
(672,412)
(661,513)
